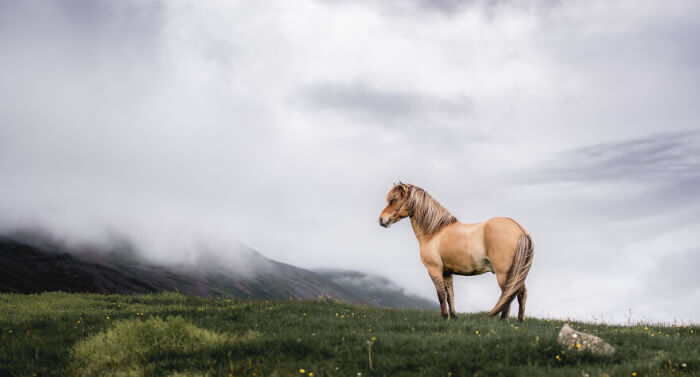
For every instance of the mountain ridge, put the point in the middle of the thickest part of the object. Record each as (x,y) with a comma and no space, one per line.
(34,263)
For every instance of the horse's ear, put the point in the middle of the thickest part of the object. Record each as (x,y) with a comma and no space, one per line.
(403,188)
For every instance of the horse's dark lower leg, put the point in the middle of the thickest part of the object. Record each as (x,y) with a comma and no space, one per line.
(522,297)
(450,296)
(442,295)
(505,312)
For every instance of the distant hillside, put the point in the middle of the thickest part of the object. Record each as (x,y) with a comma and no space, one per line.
(31,263)
(383,292)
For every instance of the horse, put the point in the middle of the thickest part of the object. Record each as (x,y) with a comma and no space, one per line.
(448,247)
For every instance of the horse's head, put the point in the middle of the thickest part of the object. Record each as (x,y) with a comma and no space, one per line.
(397,205)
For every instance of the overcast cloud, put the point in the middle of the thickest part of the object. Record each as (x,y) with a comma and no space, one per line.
(282,125)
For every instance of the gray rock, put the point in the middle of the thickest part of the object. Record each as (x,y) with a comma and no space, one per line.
(580,341)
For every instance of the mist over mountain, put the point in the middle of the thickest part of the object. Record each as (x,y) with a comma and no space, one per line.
(34,262)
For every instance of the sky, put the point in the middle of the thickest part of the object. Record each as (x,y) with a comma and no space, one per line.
(281,125)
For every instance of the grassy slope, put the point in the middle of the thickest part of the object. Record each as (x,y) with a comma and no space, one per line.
(325,338)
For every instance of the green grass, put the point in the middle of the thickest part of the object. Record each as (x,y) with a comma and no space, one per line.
(59,334)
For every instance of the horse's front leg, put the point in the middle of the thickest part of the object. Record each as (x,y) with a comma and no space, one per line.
(450,295)
(436,276)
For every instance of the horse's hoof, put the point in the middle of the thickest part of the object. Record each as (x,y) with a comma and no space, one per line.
(444,316)
(453,316)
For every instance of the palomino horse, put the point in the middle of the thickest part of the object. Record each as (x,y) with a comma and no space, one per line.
(449,247)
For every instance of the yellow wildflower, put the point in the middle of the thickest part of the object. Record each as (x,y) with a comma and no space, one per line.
(578,345)
(374,338)
(311,374)
(634,374)
(302,371)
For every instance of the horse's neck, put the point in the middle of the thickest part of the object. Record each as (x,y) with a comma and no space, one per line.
(417,230)
(420,228)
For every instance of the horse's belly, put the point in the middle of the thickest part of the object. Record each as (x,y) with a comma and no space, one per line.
(468,262)
(473,269)
(462,250)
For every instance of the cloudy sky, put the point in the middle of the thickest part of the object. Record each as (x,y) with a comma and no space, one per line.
(283,124)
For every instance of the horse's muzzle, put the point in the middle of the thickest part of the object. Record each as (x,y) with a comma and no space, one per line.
(381,223)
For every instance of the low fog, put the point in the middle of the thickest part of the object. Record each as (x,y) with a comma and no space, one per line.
(187,127)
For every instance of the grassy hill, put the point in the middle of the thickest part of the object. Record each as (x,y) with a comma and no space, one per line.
(167,334)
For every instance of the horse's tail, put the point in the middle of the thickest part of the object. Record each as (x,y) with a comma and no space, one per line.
(517,273)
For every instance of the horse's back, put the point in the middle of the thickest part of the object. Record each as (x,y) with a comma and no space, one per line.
(501,237)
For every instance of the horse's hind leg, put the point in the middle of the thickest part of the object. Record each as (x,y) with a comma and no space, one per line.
(522,297)
(505,312)
(502,278)
(450,295)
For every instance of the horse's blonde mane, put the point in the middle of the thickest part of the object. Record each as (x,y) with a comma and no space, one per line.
(427,215)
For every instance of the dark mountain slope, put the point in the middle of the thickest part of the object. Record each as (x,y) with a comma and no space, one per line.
(33,264)
(27,269)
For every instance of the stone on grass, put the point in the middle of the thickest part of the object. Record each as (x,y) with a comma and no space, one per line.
(580,341)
